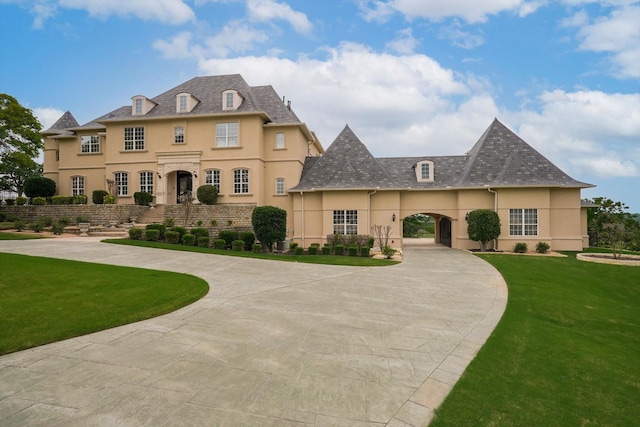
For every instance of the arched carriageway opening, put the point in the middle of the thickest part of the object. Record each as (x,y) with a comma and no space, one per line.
(427,228)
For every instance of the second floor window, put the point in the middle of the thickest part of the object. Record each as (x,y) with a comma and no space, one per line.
(212,177)
(146,182)
(77,185)
(280,186)
(227,135)
(90,144)
(138,106)
(178,135)
(280,140)
(122,183)
(133,138)
(183,102)
(241,181)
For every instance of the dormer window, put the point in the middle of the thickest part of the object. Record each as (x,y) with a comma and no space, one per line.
(424,171)
(231,100)
(141,105)
(185,102)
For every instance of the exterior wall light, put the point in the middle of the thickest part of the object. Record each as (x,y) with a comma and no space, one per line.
(393,217)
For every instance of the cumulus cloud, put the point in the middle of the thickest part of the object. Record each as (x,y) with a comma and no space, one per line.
(267,10)
(459,37)
(167,11)
(405,43)
(47,116)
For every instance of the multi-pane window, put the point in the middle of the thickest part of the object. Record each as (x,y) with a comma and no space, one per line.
(138,106)
(227,135)
(146,182)
(212,177)
(523,222)
(280,140)
(77,185)
(134,138)
(178,135)
(229,100)
(57,155)
(345,222)
(183,102)
(280,186)
(90,144)
(425,171)
(241,181)
(122,183)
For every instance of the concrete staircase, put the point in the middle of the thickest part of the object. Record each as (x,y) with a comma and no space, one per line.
(153,215)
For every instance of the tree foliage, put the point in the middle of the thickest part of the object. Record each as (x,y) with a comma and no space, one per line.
(15,168)
(483,225)
(610,225)
(415,225)
(269,225)
(38,186)
(19,129)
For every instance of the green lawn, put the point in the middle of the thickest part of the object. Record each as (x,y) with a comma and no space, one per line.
(310,259)
(566,352)
(5,235)
(45,300)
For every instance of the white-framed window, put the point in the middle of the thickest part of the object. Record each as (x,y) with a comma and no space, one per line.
(280,186)
(122,183)
(57,155)
(241,181)
(90,144)
(229,100)
(133,138)
(424,171)
(279,140)
(137,105)
(212,177)
(345,222)
(178,135)
(77,185)
(227,134)
(146,181)
(182,103)
(523,222)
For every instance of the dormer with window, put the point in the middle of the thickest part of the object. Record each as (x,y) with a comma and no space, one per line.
(424,171)
(185,102)
(231,100)
(141,105)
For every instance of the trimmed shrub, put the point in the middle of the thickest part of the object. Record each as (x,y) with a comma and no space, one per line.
(293,246)
(20,201)
(172,237)
(228,236)
(326,250)
(61,200)
(188,239)
(203,241)
(199,232)
(313,250)
(237,245)
(40,201)
(47,221)
(207,194)
(80,219)
(80,199)
(10,202)
(180,230)
(65,220)
(135,233)
(39,186)
(338,249)
(97,197)
(142,198)
(388,252)
(520,248)
(151,235)
(219,244)
(19,225)
(160,227)
(542,247)
(109,200)
(248,238)
(299,250)
(270,225)
(256,248)
(57,228)
(37,226)
(364,251)
(169,223)
(371,241)
(353,250)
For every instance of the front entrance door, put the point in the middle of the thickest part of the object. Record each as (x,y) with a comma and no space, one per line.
(185,184)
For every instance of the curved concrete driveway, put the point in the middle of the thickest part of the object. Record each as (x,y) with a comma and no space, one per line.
(273,343)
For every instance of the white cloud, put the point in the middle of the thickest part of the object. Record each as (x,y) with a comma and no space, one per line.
(167,11)
(469,11)
(405,43)
(267,10)
(47,116)
(459,37)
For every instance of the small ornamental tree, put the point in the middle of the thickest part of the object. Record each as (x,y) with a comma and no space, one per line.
(39,186)
(207,194)
(483,225)
(269,225)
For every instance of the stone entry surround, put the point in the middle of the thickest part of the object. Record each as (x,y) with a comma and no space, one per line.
(272,344)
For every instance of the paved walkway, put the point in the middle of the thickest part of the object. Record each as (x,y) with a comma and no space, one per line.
(272,344)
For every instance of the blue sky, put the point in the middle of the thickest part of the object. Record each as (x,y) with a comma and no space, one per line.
(410,77)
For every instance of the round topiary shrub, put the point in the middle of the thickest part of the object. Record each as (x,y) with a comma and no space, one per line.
(109,200)
(542,247)
(256,248)
(339,250)
(135,233)
(151,235)
(248,238)
(203,241)
(180,230)
(326,250)
(97,197)
(57,228)
(313,250)
(172,237)
(160,227)
(520,248)
(199,232)
(207,194)
(237,245)
(299,250)
(39,186)
(80,199)
(188,239)
(37,226)
(20,201)
(142,198)
(219,244)
(353,251)
(364,251)
(228,236)
(39,201)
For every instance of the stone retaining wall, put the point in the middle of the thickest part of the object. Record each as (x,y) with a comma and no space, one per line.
(227,217)
(96,214)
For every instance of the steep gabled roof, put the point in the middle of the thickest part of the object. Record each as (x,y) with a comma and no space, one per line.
(60,127)
(347,164)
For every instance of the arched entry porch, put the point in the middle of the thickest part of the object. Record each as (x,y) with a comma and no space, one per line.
(177,173)
(442,229)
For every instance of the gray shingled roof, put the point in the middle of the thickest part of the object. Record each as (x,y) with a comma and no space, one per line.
(499,159)
(60,127)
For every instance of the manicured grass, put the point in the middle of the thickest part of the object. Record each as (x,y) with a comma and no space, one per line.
(565,353)
(6,235)
(45,300)
(310,259)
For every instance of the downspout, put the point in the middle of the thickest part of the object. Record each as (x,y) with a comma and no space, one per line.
(369,210)
(495,209)
(302,208)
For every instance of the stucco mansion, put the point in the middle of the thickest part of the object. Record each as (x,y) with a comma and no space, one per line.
(247,141)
